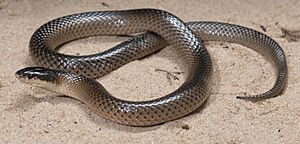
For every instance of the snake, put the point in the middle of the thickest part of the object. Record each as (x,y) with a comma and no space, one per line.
(151,30)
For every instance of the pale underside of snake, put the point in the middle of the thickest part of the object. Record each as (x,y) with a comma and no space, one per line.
(72,75)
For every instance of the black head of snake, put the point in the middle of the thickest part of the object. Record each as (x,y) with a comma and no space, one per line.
(38,77)
(56,81)
(72,75)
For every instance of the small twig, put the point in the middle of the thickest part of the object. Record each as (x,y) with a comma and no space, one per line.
(270,111)
(291,35)
(263,28)
(185,127)
(105,4)
(170,75)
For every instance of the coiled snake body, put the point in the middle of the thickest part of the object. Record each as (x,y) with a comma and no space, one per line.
(72,75)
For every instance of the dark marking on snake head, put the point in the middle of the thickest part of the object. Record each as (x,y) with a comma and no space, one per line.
(36,73)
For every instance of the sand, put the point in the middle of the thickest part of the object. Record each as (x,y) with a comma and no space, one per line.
(32,115)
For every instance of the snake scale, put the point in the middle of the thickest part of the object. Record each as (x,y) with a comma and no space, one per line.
(154,29)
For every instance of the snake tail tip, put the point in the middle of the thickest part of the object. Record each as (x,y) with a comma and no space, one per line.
(248,98)
(240,97)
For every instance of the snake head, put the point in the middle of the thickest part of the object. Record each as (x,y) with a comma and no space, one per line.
(37,76)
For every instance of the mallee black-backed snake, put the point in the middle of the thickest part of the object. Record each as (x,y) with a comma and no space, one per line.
(73,75)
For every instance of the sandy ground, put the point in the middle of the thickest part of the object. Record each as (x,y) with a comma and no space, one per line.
(32,115)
